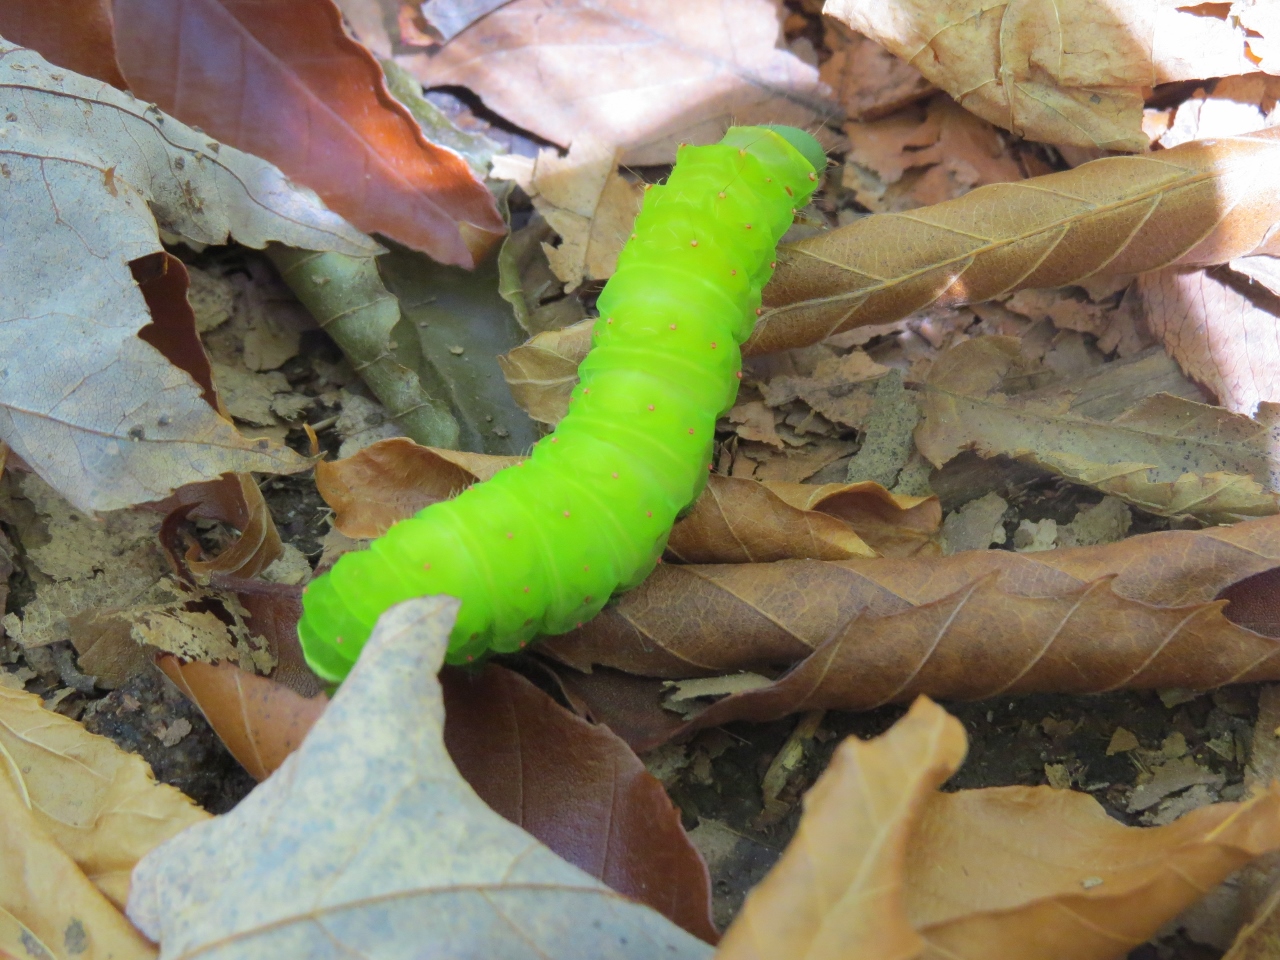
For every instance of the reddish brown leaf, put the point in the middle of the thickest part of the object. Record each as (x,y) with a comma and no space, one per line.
(163,280)
(283,81)
(260,720)
(77,35)
(578,789)
(1138,613)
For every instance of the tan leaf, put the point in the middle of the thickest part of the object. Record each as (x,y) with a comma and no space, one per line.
(977,624)
(48,909)
(543,372)
(99,804)
(884,865)
(367,839)
(393,479)
(948,152)
(642,76)
(838,890)
(1221,329)
(892,524)
(743,521)
(1071,73)
(1201,203)
(1167,455)
(583,197)
(1062,879)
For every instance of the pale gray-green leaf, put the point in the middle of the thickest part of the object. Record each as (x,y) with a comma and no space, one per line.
(86,172)
(367,843)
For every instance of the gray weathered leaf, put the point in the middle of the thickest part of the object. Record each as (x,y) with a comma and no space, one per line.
(85,174)
(368,843)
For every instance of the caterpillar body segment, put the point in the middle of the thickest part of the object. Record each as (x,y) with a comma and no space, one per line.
(542,546)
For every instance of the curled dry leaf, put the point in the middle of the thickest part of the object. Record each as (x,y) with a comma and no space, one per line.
(885,861)
(734,521)
(393,479)
(577,788)
(644,76)
(1221,329)
(94,409)
(368,842)
(97,803)
(285,82)
(969,626)
(235,501)
(1165,454)
(1073,73)
(581,792)
(1204,202)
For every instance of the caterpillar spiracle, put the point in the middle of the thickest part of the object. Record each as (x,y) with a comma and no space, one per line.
(542,546)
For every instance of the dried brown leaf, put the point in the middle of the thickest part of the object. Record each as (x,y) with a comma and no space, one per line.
(367,839)
(734,521)
(1221,329)
(1202,203)
(78,38)
(577,788)
(1070,73)
(106,418)
(585,200)
(1165,454)
(543,372)
(973,625)
(892,524)
(1063,879)
(866,79)
(643,76)
(393,479)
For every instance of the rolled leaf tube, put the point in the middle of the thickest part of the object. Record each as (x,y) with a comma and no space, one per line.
(542,546)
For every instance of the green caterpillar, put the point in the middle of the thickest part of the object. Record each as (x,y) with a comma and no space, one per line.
(541,547)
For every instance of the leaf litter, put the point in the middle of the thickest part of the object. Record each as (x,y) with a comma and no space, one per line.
(807,443)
